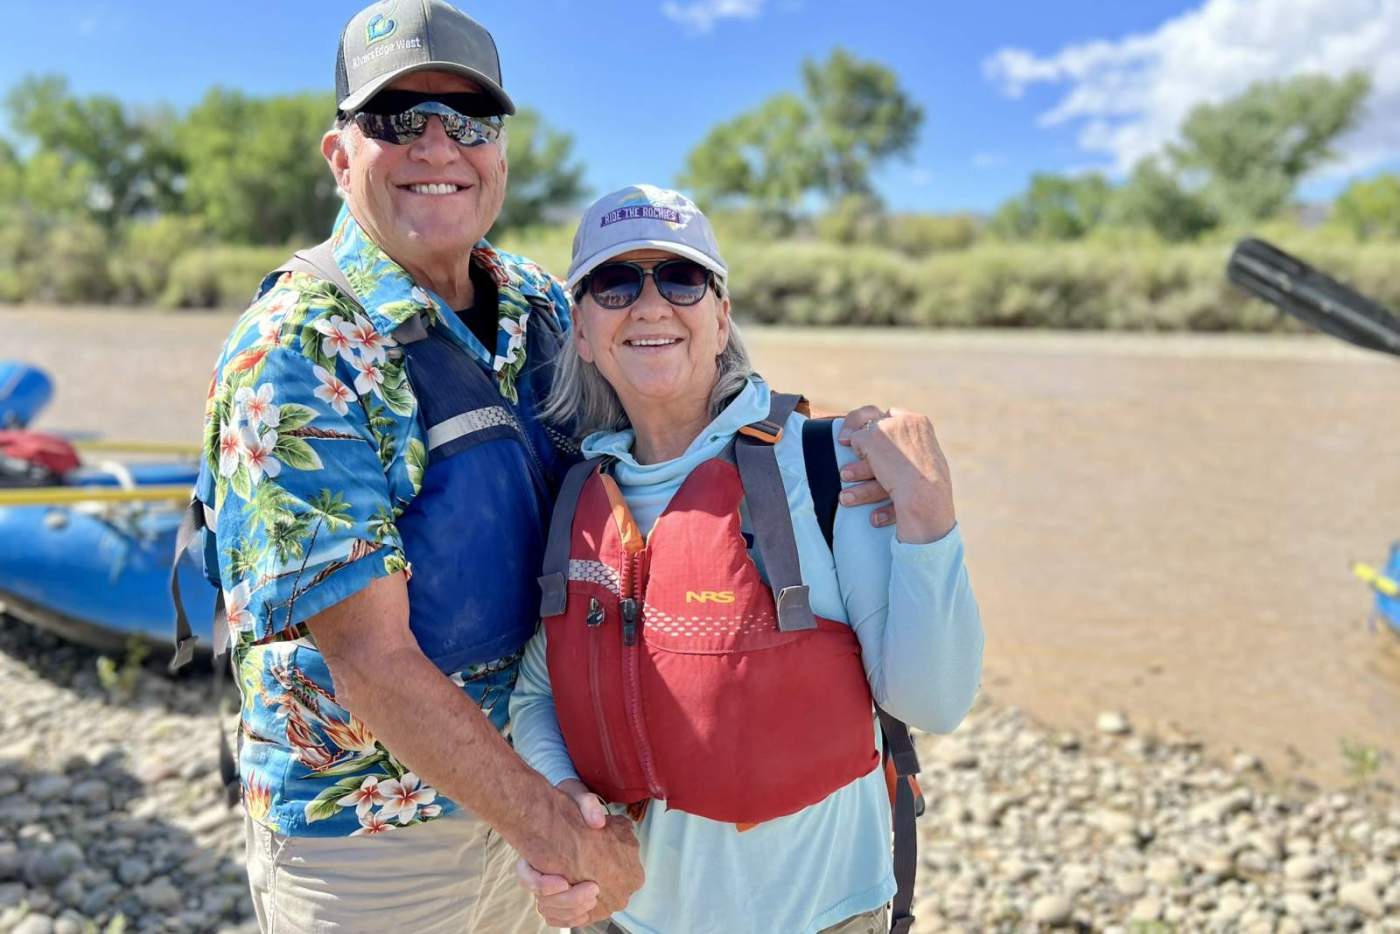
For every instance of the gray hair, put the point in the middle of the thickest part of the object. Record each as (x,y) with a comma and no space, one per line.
(582,398)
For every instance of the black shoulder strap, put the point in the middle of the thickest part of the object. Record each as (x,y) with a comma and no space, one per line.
(823,475)
(766,496)
(824,481)
(554,579)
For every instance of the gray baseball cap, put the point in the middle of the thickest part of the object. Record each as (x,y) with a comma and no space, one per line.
(392,38)
(639,217)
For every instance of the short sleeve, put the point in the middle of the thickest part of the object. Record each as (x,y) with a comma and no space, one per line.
(299,458)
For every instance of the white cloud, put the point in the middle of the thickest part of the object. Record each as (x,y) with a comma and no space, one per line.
(700,15)
(1128,96)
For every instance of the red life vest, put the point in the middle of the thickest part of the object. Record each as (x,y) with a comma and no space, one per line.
(672,677)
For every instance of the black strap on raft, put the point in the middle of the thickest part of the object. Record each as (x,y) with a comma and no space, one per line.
(824,481)
(757,459)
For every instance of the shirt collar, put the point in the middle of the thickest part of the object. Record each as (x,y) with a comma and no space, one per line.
(390,295)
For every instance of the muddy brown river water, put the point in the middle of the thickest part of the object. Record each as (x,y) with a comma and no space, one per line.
(1160,525)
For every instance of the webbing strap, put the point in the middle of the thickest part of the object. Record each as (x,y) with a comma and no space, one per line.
(823,473)
(319,261)
(554,582)
(906,858)
(190,523)
(768,510)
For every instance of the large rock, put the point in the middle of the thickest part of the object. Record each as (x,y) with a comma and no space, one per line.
(50,865)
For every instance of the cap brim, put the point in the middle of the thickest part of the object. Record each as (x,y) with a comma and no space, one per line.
(577,273)
(355,101)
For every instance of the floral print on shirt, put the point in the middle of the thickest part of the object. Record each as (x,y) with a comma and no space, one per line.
(312,450)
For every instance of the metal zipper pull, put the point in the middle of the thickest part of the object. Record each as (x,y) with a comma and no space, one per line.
(595,612)
(629,621)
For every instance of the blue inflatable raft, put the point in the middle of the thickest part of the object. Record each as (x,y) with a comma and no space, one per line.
(96,570)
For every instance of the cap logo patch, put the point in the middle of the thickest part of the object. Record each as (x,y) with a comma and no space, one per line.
(633,212)
(380,27)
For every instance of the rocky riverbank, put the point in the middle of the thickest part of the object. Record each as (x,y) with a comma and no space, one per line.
(111,820)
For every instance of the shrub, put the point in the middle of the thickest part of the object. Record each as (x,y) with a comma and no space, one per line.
(219,276)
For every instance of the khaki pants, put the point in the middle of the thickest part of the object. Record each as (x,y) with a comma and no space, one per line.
(869,922)
(449,876)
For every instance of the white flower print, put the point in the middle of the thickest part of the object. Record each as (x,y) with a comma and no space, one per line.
(257,450)
(236,608)
(257,407)
(370,342)
(371,377)
(403,797)
(363,798)
(274,312)
(372,823)
(230,451)
(336,337)
(420,295)
(333,390)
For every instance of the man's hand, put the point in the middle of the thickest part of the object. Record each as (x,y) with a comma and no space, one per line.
(560,904)
(867,488)
(384,679)
(901,452)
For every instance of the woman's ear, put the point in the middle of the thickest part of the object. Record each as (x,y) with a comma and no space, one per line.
(585,350)
(723,321)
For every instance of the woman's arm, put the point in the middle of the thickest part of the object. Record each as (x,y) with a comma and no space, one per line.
(534,725)
(911,604)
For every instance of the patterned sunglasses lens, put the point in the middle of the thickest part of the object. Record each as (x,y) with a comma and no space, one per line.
(406,126)
(615,285)
(681,282)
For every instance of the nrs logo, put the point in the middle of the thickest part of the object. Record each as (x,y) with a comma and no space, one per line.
(709,596)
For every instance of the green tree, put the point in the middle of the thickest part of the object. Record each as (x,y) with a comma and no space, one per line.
(543,178)
(1370,207)
(125,161)
(1154,199)
(255,172)
(1252,149)
(825,144)
(862,118)
(1054,207)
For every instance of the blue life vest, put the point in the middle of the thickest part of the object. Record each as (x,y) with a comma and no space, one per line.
(475,532)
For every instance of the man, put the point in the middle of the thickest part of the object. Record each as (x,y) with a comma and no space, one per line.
(377,485)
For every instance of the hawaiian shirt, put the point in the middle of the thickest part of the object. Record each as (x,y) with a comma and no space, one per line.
(312,450)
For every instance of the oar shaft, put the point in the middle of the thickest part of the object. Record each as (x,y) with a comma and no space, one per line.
(65,495)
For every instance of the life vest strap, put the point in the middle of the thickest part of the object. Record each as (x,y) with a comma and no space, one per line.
(766,496)
(554,582)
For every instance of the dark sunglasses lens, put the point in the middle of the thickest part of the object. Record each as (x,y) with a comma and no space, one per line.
(396,128)
(614,285)
(681,282)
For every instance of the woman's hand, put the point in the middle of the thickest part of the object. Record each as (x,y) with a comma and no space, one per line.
(560,904)
(902,453)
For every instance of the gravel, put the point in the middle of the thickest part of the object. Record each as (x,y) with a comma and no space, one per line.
(112,818)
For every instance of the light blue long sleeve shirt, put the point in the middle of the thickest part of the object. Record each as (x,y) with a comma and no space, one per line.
(920,633)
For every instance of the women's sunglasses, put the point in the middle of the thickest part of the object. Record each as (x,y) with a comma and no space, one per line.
(618,284)
(405,126)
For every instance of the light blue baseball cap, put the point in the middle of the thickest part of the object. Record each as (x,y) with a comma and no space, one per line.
(639,217)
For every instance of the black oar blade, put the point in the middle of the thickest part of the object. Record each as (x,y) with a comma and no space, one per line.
(1282,280)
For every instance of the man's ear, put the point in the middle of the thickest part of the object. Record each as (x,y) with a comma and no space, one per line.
(334,150)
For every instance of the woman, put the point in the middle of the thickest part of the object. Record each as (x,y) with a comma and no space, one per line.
(735,723)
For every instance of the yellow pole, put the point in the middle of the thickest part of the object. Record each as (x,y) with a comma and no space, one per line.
(140,447)
(65,495)
(1383,585)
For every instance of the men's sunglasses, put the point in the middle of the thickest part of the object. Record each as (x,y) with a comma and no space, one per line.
(405,126)
(617,285)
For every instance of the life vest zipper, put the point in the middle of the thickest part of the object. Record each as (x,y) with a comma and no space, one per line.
(595,644)
(631,674)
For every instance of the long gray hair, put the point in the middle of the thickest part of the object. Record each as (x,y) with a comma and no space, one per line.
(583,400)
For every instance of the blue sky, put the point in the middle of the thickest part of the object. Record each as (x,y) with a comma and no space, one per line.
(1007,88)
